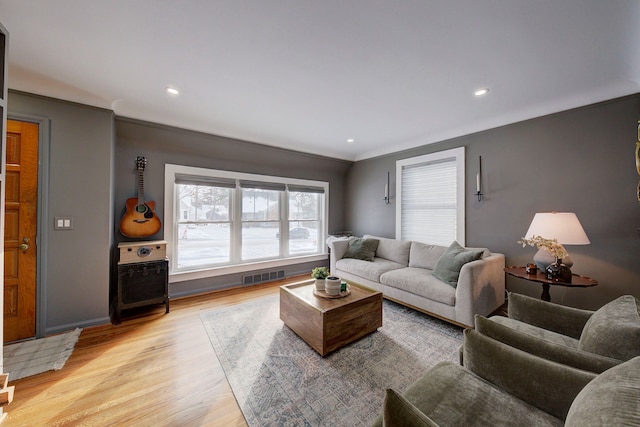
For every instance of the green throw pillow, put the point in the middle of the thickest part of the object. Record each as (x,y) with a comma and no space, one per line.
(448,266)
(613,330)
(364,249)
(399,412)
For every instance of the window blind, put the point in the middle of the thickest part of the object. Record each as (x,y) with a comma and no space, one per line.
(429,208)
(263,185)
(305,189)
(210,181)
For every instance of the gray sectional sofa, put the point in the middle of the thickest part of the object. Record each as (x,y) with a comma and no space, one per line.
(403,271)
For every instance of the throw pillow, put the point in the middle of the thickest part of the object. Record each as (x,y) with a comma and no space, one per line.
(613,330)
(364,249)
(448,266)
(399,412)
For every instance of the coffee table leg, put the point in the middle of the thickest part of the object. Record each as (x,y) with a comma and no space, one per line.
(546,296)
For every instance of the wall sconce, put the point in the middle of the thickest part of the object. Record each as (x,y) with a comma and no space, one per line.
(386,191)
(479,179)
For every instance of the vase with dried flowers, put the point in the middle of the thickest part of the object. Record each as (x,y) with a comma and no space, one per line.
(549,257)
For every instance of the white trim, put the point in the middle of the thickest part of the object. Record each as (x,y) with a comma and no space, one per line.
(458,154)
(169,220)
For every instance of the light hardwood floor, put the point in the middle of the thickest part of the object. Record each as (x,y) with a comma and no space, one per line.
(152,370)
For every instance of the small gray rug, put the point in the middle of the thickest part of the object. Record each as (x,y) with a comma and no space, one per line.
(278,380)
(28,358)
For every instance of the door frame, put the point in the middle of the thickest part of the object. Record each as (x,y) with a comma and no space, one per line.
(42,229)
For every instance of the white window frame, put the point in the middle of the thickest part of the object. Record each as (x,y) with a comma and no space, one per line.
(171,213)
(458,154)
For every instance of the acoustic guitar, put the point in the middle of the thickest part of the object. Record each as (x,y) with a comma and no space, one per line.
(140,219)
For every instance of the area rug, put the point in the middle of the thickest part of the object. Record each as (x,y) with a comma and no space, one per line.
(28,358)
(278,380)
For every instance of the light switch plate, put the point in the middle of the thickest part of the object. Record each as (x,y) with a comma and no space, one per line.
(63,223)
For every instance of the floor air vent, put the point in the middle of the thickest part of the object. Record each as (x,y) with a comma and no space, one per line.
(262,277)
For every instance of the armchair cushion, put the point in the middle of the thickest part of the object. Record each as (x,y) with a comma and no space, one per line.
(451,395)
(448,266)
(611,399)
(534,331)
(613,330)
(549,386)
(399,412)
(504,330)
(364,249)
(558,318)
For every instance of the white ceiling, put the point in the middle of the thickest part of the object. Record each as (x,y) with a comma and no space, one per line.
(309,74)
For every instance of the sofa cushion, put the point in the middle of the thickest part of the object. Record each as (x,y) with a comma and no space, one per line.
(423,255)
(540,333)
(368,270)
(448,266)
(610,399)
(364,249)
(392,249)
(613,330)
(421,282)
(398,412)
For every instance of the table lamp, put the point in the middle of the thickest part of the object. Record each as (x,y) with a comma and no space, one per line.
(562,226)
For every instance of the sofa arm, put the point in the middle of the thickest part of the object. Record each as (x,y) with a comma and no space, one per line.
(338,248)
(558,318)
(546,349)
(480,288)
(547,385)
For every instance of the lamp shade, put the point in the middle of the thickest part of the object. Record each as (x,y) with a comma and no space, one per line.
(562,226)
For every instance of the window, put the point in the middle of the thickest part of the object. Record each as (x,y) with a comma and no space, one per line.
(218,222)
(204,227)
(261,219)
(305,219)
(431,201)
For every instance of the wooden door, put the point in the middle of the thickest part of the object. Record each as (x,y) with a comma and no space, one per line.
(21,197)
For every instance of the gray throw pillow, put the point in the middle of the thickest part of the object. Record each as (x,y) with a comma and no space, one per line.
(399,412)
(364,249)
(448,266)
(613,330)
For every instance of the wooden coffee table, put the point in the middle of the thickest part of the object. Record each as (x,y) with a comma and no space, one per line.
(328,324)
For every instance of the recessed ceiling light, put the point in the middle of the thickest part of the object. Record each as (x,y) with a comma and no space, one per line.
(171,90)
(481,92)
(350,141)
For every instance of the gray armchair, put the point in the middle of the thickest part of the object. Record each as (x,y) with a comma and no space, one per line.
(590,340)
(502,386)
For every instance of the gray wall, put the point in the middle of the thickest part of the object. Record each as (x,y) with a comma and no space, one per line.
(89,173)
(74,275)
(580,160)
(163,144)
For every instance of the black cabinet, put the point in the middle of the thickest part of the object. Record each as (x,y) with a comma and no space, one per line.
(140,284)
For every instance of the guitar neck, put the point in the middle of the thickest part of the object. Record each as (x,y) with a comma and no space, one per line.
(140,187)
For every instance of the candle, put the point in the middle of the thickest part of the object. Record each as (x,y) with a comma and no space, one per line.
(478,182)
(386,191)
